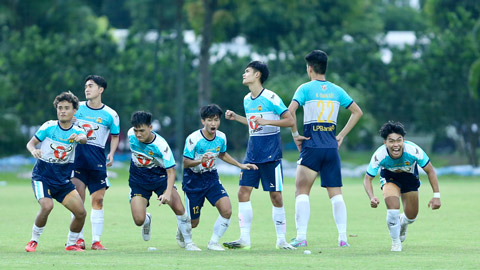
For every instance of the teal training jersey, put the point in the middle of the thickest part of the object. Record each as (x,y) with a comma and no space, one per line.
(196,145)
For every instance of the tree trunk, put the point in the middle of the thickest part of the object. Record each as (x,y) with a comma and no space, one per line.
(204,86)
(180,108)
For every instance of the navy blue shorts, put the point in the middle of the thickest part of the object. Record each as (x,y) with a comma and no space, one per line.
(93,179)
(44,188)
(405,181)
(270,173)
(325,161)
(145,190)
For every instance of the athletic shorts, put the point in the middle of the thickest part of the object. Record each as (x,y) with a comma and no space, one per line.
(194,200)
(405,181)
(44,188)
(145,190)
(270,173)
(93,179)
(325,161)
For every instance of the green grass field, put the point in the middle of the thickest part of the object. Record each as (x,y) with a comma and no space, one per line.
(441,239)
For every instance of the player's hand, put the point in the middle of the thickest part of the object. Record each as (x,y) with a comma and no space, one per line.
(230,115)
(37,153)
(374,202)
(299,141)
(248,166)
(207,156)
(339,140)
(165,197)
(77,138)
(259,121)
(435,203)
(110,160)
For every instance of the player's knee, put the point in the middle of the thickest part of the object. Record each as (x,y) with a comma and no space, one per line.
(226,213)
(97,203)
(46,208)
(80,214)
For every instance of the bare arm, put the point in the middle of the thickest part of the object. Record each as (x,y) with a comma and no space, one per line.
(298,139)
(352,121)
(113,147)
(229,159)
(36,153)
(231,115)
(367,184)
(435,203)
(189,163)
(167,194)
(79,138)
(286,121)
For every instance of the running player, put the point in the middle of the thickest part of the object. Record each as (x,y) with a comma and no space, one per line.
(201,180)
(265,114)
(152,169)
(98,120)
(397,160)
(53,169)
(321,101)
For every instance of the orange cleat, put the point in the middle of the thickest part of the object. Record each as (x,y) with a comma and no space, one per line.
(81,243)
(31,246)
(98,246)
(73,248)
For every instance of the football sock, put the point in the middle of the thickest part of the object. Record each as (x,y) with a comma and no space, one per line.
(278,216)
(97,219)
(185,227)
(340,215)
(72,238)
(36,232)
(147,220)
(80,234)
(245,215)
(220,227)
(302,215)
(405,220)
(393,223)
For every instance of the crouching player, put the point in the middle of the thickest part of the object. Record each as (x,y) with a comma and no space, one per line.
(53,170)
(397,160)
(200,178)
(152,169)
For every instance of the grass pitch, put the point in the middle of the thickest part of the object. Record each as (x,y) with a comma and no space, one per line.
(441,239)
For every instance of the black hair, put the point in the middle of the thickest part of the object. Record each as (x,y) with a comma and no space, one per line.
(141,118)
(211,110)
(392,127)
(99,80)
(260,67)
(66,96)
(317,59)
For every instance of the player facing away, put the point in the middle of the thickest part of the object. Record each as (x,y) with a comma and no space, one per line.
(397,161)
(152,169)
(201,180)
(321,101)
(265,114)
(53,169)
(98,120)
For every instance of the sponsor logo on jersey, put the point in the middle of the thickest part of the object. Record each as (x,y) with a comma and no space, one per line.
(324,87)
(322,128)
(143,160)
(60,152)
(89,130)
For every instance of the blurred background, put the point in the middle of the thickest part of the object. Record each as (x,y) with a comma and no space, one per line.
(414,61)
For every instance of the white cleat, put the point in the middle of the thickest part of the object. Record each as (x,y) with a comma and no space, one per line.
(192,247)
(215,246)
(285,245)
(180,239)
(397,247)
(147,228)
(403,229)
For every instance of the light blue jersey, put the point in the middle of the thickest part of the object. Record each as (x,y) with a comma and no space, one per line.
(412,155)
(58,152)
(98,124)
(264,144)
(149,158)
(196,145)
(321,101)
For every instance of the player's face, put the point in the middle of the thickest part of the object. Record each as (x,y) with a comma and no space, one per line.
(394,144)
(143,133)
(92,90)
(211,124)
(249,76)
(65,111)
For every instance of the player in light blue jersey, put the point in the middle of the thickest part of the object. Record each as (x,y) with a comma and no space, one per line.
(152,169)
(53,169)
(99,121)
(321,101)
(397,161)
(201,181)
(265,114)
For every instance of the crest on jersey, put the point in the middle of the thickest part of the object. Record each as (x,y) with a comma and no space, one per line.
(407,163)
(218,148)
(324,87)
(99,120)
(150,153)
(259,107)
(61,151)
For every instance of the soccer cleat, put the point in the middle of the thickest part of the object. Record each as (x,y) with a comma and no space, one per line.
(192,247)
(295,243)
(98,246)
(73,248)
(343,244)
(81,243)
(237,244)
(215,246)
(284,245)
(403,229)
(180,239)
(396,246)
(31,246)
(147,228)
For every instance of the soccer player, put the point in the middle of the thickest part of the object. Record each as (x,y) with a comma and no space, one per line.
(265,114)
(98,120)
(397,160)
(152,169)
(201,180)
(321,101)
(53,169)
